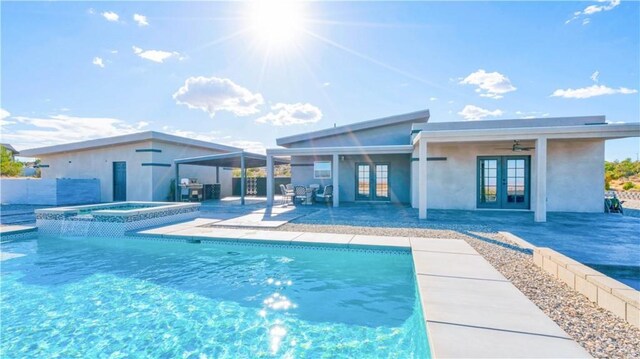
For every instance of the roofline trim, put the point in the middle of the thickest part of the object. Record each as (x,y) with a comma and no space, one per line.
(358,126)
(124,139)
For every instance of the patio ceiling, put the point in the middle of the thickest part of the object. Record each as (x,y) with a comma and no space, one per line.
(233,160)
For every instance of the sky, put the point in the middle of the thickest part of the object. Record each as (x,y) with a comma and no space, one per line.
(244,74)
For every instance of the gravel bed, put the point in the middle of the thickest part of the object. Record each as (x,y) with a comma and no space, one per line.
(600,332)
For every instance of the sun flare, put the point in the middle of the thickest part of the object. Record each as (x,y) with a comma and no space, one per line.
(277,23)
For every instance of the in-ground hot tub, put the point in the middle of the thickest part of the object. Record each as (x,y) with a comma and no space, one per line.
(111,219)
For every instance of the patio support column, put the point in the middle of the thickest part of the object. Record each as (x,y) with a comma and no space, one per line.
(336,179)
(217,174)
(541,180)
(422,179)
(243,177)
(269,180)
(177,194)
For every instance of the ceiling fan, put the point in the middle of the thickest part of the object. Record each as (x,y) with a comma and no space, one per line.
(517,147)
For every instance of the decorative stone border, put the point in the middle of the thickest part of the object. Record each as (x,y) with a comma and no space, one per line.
(606,292)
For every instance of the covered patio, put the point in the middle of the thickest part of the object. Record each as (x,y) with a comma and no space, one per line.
(242,160)
(335,155)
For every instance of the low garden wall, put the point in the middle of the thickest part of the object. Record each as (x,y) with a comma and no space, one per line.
(605,291)
(52,192)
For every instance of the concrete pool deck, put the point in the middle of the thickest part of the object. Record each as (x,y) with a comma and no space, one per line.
(462,295)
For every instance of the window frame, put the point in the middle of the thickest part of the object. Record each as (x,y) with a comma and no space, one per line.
(315,171)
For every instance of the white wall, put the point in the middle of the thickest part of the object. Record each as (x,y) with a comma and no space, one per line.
(575,174)
(98,163)
(144,183)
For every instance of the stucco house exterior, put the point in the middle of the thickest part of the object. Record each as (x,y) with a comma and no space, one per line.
(133,167)
(540,165)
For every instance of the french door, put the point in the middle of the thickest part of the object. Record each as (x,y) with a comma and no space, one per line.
(372,181)
(503,182)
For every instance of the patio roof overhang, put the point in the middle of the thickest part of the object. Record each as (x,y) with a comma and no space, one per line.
(602,131)
(340,150)
(232,159)
(242,160)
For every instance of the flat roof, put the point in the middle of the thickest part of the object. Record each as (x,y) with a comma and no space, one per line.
(418,116)
(233,159)
(125,139)
(510,123)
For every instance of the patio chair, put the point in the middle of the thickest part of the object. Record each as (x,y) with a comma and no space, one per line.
(289,187)
(286,195)
(314,186)
(325,195)
(299,193)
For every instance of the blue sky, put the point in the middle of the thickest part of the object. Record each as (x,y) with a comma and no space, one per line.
(244,73)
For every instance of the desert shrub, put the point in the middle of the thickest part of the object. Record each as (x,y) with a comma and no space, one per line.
(627,186)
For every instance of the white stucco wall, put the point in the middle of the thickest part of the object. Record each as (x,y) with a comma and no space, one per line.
(575,174)
(144,183)
(98,163)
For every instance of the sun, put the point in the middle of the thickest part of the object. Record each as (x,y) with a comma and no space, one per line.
(277,23)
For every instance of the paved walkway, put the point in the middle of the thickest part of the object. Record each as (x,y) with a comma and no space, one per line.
(462,295)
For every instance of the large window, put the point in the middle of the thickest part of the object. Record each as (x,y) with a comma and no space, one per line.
(322,169)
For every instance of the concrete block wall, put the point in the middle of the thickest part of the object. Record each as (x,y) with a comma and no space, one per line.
(606,292)
(54,192)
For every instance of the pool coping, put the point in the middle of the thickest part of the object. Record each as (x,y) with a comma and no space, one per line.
(158,206)
(497,319)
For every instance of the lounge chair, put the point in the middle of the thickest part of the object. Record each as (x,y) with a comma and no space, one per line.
(326,195)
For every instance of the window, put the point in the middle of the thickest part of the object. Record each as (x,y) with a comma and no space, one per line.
(321,169)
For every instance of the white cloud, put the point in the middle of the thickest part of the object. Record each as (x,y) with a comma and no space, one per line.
(59,129)
(433,98)
(471,113)
(140,19)
(4,114)
(531,114)
(214,136)
(594,9)
(594,76)
(155,55)
(213,94)
(98,62)
(592,91)
(291,114)
(91,11)
(326,84)
(490,84)
(111,16)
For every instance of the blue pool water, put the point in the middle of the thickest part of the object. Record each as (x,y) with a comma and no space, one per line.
(132,297)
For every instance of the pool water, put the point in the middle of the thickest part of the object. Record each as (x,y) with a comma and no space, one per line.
(135,297)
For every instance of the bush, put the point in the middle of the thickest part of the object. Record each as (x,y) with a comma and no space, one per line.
(9,167)
(627,186)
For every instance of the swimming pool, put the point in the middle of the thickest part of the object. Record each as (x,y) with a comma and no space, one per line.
(138,297)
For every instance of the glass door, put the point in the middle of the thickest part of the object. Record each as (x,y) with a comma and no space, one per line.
(363,181)
(372,181)
(488,173)
(381,180)
(503,182)
(516,182)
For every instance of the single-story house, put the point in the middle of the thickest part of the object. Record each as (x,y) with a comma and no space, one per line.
(134,167)
(540,164)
